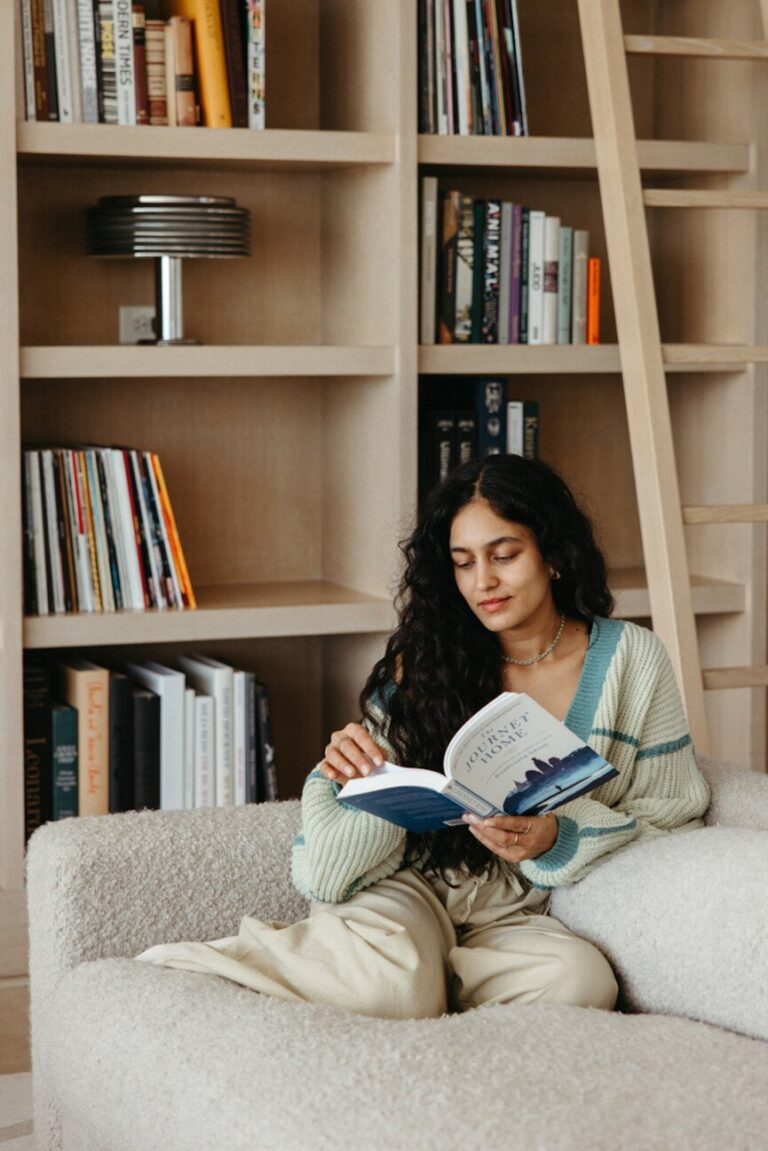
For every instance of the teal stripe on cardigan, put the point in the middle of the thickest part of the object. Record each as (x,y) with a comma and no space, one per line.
(596,832)
(564,848)
(664,748)
(603,641)
(619,736)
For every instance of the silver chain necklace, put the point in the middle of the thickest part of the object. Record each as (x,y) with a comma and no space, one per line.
(542,654)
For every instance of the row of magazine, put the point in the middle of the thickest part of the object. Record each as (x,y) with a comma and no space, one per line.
(196,732)
(100,533)
(497,272)
(108,62)
(470,68)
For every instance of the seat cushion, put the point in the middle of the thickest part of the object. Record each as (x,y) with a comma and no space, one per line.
(138,1058)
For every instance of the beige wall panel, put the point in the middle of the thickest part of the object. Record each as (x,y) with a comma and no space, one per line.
(359,75)
(14,1027)
(347,663)
(291,52)
(242,458)
(272,297)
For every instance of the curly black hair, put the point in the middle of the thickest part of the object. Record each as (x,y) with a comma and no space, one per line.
(441,665)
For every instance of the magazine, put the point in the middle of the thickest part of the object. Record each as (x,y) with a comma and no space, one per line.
(510,758)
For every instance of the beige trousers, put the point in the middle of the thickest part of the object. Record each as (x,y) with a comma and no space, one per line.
(410,948)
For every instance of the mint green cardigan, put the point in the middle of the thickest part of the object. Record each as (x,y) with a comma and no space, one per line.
(627,707)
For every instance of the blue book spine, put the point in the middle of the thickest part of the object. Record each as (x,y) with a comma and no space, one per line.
(64,760)
(491,416)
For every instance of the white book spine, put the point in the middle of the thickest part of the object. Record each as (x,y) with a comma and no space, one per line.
(100,533)
(38,531)
(54,554)
(564,283)
(536,278)
(115,518)
(515,440)
(29,65)
(256,63)
(189,749)
(122,16)
(551,265)
(580,262)
(171,688)
(204,751)
(216,679)
(63,71)
(428,302)
(240,743)
(441,80)
(73,31)
(461,65)
(89,84)
(505,271)
(128,530)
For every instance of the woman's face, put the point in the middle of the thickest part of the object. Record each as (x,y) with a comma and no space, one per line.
(500,571)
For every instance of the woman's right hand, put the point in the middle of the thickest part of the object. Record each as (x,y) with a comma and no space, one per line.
(351,753)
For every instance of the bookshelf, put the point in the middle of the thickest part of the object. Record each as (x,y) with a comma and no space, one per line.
(289,435)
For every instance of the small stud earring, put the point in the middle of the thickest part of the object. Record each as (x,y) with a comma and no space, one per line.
(554,574)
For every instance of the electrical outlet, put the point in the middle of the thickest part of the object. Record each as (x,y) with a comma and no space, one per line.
(136,325)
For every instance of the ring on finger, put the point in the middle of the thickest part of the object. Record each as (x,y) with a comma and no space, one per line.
(528,828)
(517,839)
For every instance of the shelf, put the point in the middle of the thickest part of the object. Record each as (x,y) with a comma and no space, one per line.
(563,154)
(273,150)
(115,361)
(509,359)
(710,596)
(254,611)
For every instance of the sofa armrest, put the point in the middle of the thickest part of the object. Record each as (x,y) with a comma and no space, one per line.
(739,797)
(114,885)
(683,920)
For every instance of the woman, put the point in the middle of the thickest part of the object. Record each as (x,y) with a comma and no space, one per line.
(504,589)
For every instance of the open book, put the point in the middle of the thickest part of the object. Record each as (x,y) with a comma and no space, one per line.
(510,758)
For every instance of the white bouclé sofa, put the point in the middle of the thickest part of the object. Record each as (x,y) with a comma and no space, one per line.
(132,1057)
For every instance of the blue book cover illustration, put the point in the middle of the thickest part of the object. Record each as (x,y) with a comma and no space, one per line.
(511,758)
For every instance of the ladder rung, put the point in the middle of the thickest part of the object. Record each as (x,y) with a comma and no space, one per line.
(694,46)
(711,356)
(697,198)
(726,514)
(725,677)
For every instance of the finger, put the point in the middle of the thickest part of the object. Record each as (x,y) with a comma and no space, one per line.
(341,761)
(514,854)
(358,734)
(330,772)
(522,824)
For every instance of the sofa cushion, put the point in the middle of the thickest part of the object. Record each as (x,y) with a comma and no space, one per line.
(140,1057)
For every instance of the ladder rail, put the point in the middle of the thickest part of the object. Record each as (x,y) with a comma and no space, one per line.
(642,362)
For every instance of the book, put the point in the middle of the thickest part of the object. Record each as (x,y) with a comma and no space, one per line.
(579,289)
(593,300)
(146,719)
(86,21)
(85,686)
(490,412)
(268,786)
(125,69)
(212,677)
(139,25)
(449,233)
(564,283)
(255,16)
(121,768)
(189,748)
(462,330)
(240,725)
(211,58)
(511,758)
(523,428)
(63,761)
(536,243)
(252,794)
(105,63)
(550,280)
(180,73)
(204,751)
(232,26)
(491,259)
(169,685)
(505,270)
(428,277)
(37,746)
(156,83)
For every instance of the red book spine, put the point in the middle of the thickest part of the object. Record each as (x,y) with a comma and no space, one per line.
(140,64)
(593,300)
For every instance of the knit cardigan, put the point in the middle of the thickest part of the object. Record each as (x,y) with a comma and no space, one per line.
(627,707)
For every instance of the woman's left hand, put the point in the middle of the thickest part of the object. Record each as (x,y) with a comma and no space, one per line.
(515,837)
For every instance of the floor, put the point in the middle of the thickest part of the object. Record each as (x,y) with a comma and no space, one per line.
(16,1113)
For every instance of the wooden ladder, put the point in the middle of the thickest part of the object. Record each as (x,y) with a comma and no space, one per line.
(642,354)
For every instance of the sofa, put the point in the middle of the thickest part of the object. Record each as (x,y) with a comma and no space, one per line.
(132,1057)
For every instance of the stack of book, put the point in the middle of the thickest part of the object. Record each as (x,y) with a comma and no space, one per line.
(99,533)
(105,62)
(470,68)
(467,419)
(497,272)
(195,734)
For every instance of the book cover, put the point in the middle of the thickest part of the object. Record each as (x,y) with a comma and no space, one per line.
(146,719)
(491,258)
(462,68)
(449,231)
(88,78)
(85,686)
(593,300)
(108,514)
(478,268)
(106,63)
(121,766)
(149,552)
(550,280)
(564,282)
(156,81)
(490,413)
(505,269)
(171,578)
(256,11)
(579,290)
(462,331)
(525,267)
(511,758)
(232,27)
(64,76)
(125,70)
(428,270)
(37,746)
(139,25)
(63,761)
(212,677)
(536,277)
(180,73)
(55,565)
(65,537)
(169,685)
(211,58)
(268,787)
(122,528)
(142,550)
(173,534)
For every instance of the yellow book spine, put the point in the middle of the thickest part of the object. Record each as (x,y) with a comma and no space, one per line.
(211,59)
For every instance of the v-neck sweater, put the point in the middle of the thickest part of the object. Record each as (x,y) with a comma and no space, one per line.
(627,707)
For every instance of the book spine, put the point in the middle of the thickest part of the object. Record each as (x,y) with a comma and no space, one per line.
(84,496)
(505,270)
(63,70)
(74,61)
(183,73)
(461,62)
(99,531)
(506,52)
(50,60)
(421,18)
(478,270)
(138,533)
(525,271)
(451,206)
(550,279)
(441,429)
(515,427)
(428,304)
(146,750)
(189,749)
(170,71)
(490,410)
(28,557)
(64,757)
(107,64)
(441,79)
(120,743)
(173,586)
(580,260)
(28,59)
(519,81)
(139,26)
(515,275)
(114,474)
(37,747)
(462,332)
(593,300)
(531,430)
(450,73)
(564,284)
(122,24)
(476,118)
(225,749)
(65,532)
(39,59)
(148,552)
(240,740)
(90,92)
(52,531)
(79,536)
(88,691)
(204,752)
(491,255)
(465,437)
(232,32)
(211,63)
(252,741)
(536,279)
(156,82)
(108,510)
(267,760)
(257,70)
(38,533)
(173,535)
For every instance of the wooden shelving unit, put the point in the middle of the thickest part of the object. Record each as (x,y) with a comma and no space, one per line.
(289,435)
